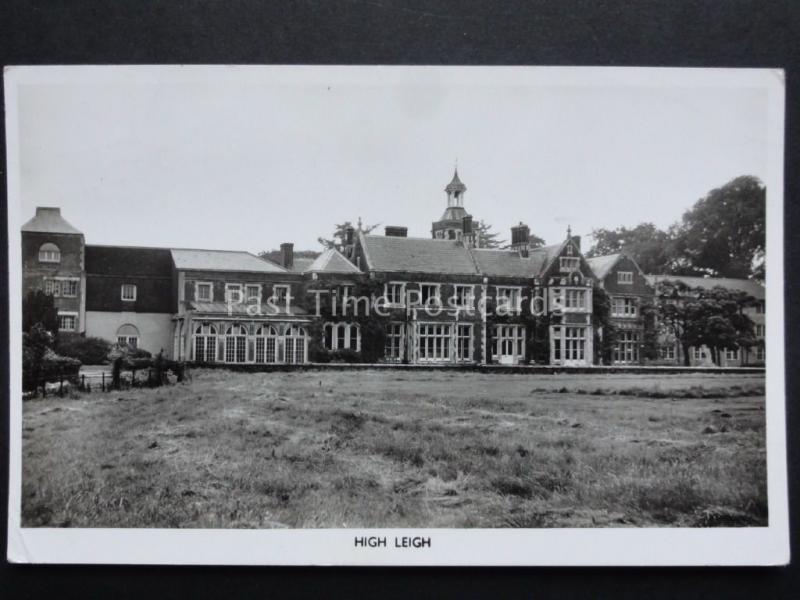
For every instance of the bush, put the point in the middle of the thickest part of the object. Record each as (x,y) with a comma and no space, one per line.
(51,368)
(88,350)
(132,358)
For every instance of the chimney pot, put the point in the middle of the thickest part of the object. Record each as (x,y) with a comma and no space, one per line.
(349,232)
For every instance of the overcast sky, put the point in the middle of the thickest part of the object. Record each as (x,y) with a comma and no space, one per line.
(244,164)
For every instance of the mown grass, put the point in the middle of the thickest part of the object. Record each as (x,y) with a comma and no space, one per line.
(401,449)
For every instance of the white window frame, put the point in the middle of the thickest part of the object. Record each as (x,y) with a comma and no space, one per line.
(71,315)
(198,285)
(668,352)
(469,296)
(248,297)
(122,294)
(459,346)
(399,300)
(760,353)
(128,340)
(49,255)
(434,352)
(629,310)
(515,296)
(346,338)
(234,287)
(625,277)
(569,305)
(732,354)
(208,340)
(760,330)
(508,336)
(565,261)
(437,294)
(281,286)
(698,353)
(394,342)
(234,342)
(266,345)
(57,286)
(626,350)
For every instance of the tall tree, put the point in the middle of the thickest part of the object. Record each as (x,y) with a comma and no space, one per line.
(724,233)
(699,317)
(651,247)
(38,307)
(340,234)
(534,241)
(486,237)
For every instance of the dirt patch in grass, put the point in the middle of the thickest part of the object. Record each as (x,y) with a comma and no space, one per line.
(372,449)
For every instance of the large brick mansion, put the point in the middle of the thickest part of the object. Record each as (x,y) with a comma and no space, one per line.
(204,305)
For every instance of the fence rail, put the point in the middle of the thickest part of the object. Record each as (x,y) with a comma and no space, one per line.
(104,381)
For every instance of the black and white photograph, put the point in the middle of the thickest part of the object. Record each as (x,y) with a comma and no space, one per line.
(396,315)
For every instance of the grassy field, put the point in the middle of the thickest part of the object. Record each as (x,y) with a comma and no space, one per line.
(401,449)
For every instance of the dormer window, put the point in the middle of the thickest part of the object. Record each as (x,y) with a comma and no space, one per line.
(570,263)
(203,291)
(128,292)
(49,253)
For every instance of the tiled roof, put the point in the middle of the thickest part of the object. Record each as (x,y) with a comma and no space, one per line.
(602,264)
(748,286)
(454,213)
(509,263)
(49,220)
(128,261)
(301,264)
(222,260)
(245,310)
(455,184)
(392,254)
(331,261)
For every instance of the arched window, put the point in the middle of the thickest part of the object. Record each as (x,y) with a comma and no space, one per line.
(128,335)
(49,253)
(236,344)
(266,343)
(295,345)
(205,343)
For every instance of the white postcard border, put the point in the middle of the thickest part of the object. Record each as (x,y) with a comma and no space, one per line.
(664,546)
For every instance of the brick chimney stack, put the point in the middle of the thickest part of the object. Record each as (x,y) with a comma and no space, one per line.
(395,231)
(287,255)
(520,238)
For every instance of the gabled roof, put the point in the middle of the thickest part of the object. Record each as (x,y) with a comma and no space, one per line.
(128,261)
(331,261)
(49,220)
(222,260)
(550,253)
(509,263)
(601,265)
(749,286)
(393,254)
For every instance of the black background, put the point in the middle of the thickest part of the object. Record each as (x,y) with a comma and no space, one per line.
(721,33)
